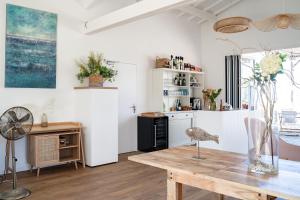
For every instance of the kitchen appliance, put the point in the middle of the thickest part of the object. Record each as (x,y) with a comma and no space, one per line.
(152,133)
(196,103)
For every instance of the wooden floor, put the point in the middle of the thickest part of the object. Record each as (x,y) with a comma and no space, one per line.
(121,181)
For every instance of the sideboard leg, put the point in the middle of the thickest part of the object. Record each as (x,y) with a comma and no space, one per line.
(38,172)
(76,166)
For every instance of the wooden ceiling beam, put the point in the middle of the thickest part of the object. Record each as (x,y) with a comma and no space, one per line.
(208,8)
(132,13)
(234,2)
(195,4)
(198,12)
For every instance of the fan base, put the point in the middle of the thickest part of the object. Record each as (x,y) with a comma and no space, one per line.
(18,193)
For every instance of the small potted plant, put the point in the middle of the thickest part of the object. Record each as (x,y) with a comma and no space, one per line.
(211,95)
(95,69)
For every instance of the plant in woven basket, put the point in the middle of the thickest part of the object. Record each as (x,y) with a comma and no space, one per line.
(95,69)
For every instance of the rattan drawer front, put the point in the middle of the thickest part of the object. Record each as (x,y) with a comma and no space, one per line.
(47,150)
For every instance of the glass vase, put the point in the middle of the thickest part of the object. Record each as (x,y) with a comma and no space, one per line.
(263,130)
(212,105)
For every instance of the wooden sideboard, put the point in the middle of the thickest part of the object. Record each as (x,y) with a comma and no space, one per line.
(59,143)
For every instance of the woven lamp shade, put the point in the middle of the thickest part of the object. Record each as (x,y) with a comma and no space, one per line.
(232,25)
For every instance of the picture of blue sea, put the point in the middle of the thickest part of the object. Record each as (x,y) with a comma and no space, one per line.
(30,58)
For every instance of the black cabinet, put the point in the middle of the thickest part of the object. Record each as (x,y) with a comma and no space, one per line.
(153,133)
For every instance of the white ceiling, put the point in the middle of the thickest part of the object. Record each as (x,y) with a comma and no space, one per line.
(199,11)
(110,13)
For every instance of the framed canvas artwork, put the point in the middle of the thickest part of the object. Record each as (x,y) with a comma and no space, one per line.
(30,52)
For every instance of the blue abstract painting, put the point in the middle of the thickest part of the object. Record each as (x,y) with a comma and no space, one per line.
(30,55)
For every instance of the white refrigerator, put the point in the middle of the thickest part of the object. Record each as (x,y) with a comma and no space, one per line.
(97,110)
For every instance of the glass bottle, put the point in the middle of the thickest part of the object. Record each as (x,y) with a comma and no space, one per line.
(180,80)
(44,120)
(183,80)
(171,62)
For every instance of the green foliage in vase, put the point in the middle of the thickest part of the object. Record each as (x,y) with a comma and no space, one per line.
(94,65)
(212,94)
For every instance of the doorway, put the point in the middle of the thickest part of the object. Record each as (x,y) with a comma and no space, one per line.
(126,81)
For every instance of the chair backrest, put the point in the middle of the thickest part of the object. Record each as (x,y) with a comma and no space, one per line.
(286,151)
(289,151)
(288,116)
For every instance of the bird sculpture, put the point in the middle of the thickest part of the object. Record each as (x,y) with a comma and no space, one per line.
(199,134)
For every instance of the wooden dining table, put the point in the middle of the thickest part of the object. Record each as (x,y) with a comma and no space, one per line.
(222,172)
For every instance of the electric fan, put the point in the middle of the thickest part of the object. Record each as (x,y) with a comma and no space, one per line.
(15,123)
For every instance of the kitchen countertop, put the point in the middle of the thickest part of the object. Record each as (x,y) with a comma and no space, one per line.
(195,111)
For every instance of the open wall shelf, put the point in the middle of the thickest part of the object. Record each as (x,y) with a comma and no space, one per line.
(166,91)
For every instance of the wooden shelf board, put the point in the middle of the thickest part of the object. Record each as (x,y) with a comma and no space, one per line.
(68,147)
(175,86)
(195,87)
(64,160)
(177,96)
(100,88)
(180,71)
(55,127)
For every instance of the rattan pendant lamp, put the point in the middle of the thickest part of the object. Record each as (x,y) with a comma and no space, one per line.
(232,25)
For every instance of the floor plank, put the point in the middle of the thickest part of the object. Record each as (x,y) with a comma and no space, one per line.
(121,181)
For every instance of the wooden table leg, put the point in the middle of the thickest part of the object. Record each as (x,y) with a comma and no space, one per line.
(221,197)
(174,189)
(266,197)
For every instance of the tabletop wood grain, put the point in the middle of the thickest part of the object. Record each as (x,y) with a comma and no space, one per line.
(226,168)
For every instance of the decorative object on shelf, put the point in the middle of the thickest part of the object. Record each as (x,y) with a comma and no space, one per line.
(95,69)
(186,108)
(163,62)
(232,25)
(180,79)
(178,105)
(221,105)
(211,95)
(194,81)
(15,123)
(196,103)
(44,120)
(262,123)
(30,55)
(199,134)
(227,107)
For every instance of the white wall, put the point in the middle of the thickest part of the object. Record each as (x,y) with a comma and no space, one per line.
(137,43)
(213,51)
